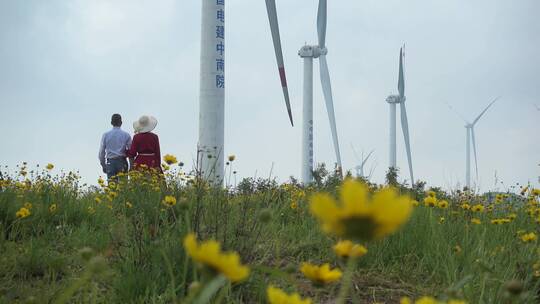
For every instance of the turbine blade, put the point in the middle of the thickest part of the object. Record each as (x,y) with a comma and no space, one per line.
(405,128)
(401,81)
(479,116)
(474,149)
(327,91)
(365,160)
(274,27)
(321,23)
(456,112)
(355,153)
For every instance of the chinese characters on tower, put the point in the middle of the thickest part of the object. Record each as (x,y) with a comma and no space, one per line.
(220,46)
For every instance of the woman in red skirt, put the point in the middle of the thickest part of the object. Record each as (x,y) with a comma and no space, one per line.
(145,145)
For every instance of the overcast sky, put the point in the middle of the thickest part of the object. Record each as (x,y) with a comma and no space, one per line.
(66,66)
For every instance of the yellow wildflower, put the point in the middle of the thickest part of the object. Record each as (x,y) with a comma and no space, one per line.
(359,217)
(528,237)
(441,220)
(294,205)
(430,201)
(536,268)
(169,201)
(443,204)
(476,221)
(23,212)
(129,205)
(28,205)
(320,274)
(49,166)
(431,193)
(477,208)
(97,200)
(414,203)
(231,158)
(500,221)
(52,208)
(349,249)
(457,249)
(209,254)
(535,192)
(170,159)
(91,210)
(405,300)
(465,206)
(278,296)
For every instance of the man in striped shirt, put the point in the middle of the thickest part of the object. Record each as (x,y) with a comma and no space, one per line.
(113,148)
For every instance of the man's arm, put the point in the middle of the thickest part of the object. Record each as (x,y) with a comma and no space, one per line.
(128,147)
(101,154)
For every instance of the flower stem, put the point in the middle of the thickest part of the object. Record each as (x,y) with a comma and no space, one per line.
(347,280)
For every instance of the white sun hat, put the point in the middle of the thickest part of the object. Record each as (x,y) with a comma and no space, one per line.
(145,124)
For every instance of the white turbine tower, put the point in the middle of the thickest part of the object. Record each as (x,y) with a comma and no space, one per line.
(469,128)
(308,53)
(393,100)
(360,167)
(212,85)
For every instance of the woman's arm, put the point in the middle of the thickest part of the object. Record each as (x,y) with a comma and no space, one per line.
(132,152)
(158,154)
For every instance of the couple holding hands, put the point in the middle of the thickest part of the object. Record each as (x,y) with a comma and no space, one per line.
(117,147)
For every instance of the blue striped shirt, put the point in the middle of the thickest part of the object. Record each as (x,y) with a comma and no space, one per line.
(114,143)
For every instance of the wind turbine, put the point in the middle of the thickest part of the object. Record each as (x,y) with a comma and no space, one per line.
(469,127)
(360,168)
(393,100)
(308,53)
(212,85)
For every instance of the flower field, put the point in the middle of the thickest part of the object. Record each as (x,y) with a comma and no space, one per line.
(173,238)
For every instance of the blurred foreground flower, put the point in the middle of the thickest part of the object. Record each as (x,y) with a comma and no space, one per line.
(348,249)
(320,274)
(209,254)
(358,216)
(278,296)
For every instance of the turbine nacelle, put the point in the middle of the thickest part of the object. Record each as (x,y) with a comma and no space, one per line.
(395,99)
(312,51)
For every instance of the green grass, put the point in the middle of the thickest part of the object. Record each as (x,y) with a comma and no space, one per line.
(89,252)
